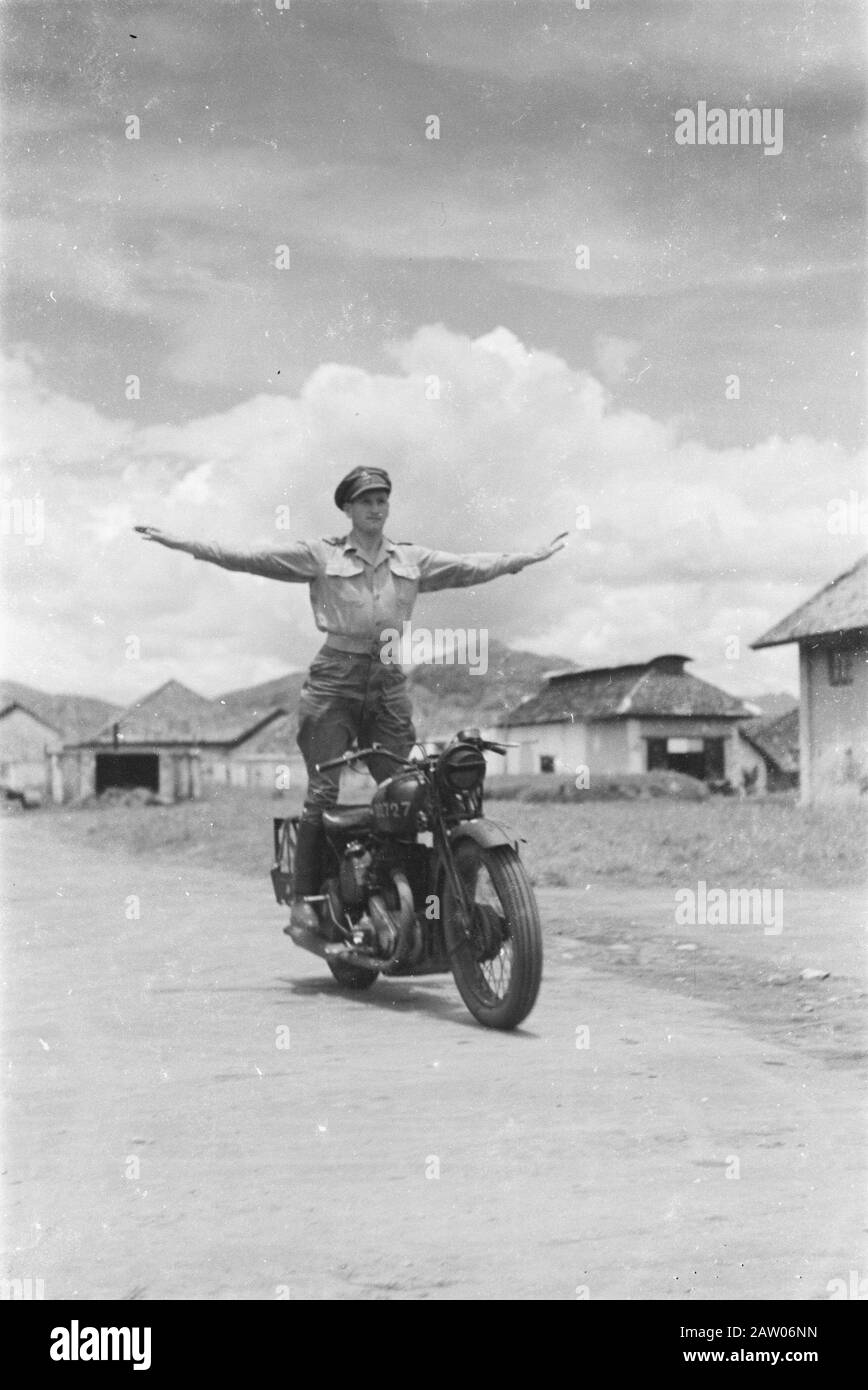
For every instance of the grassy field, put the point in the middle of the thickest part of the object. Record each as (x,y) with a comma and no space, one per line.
(771,841)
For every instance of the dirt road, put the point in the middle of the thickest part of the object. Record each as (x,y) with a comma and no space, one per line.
(194,1110)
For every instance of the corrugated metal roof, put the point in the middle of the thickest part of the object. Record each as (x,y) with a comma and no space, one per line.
(659,688)
(777,739)
(275,739)
(176,714)
(841,606)
(74,716)
(25,709)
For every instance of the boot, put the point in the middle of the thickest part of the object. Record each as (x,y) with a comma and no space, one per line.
(304,917)
(303,920)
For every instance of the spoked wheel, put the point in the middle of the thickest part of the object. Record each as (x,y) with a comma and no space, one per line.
(497,955)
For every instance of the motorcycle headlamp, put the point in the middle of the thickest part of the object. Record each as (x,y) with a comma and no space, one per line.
(462,767)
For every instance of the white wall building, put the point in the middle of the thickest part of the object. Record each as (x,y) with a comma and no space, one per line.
(26,741)
(634,718)
(832,632)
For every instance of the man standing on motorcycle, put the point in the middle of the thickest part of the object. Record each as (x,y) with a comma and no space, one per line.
(360,585)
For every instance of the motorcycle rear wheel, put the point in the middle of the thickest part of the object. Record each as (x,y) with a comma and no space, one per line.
(497,959)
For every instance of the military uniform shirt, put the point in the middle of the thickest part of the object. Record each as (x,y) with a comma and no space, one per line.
(358,598)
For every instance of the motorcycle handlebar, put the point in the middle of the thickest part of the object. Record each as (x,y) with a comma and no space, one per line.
(352,757)
(377,751)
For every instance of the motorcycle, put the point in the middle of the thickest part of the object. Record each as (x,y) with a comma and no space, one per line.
(419,882)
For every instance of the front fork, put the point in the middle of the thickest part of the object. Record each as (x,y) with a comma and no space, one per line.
(444,845)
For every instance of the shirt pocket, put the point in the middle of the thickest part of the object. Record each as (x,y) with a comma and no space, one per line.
(344,581)
(405,583)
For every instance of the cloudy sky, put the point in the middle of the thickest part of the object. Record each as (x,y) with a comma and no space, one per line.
(606,386)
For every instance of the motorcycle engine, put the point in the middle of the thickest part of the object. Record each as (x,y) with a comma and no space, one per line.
(354,867)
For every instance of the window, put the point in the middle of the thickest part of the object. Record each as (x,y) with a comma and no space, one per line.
(840,666)
(656,753)
(546,762)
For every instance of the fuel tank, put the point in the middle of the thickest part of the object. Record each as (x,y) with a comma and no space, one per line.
(399,805)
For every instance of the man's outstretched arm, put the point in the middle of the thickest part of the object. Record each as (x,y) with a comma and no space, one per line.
(295,563)
(438,569)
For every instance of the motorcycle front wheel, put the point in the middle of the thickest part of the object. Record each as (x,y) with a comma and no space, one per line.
(497,955)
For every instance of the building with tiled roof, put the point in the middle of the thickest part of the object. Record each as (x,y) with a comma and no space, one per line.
(638,717)
(831,629)
(165,742)
(841,607)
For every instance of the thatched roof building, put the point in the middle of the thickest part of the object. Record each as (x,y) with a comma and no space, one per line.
(659,688)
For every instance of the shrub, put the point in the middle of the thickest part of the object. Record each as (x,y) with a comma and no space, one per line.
(609,786)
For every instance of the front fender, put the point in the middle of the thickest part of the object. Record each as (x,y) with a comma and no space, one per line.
(487,833)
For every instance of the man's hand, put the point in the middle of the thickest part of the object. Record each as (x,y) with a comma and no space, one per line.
(153,533)
(547,550)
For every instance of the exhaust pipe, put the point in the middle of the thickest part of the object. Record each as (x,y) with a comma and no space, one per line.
(308,940)
(331,950)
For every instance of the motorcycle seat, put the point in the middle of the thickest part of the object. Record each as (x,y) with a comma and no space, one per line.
(343,819)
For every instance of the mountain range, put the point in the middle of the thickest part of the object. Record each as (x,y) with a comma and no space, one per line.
(445,698)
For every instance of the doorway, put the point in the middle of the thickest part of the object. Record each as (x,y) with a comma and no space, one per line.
(127,770)
(702,758)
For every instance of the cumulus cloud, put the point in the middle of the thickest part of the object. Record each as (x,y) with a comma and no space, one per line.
(614,356)
(491,446)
